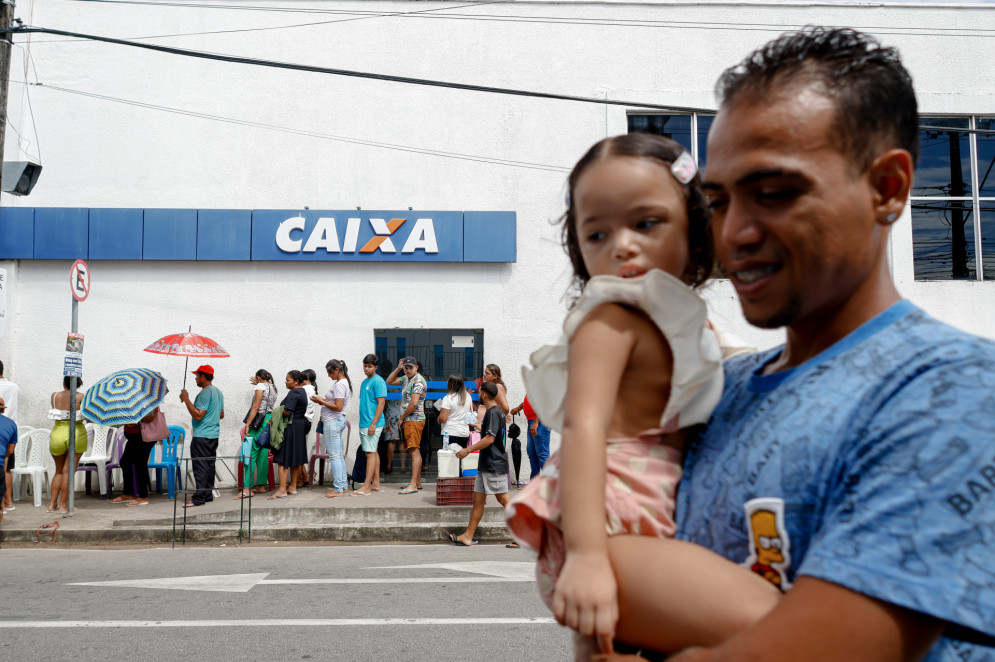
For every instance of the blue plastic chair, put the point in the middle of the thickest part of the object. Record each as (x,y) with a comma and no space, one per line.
(169,460)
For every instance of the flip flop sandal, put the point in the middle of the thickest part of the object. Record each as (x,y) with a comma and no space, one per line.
(408,490)
(459,543)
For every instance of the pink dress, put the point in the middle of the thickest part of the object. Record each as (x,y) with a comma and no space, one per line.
(642,473)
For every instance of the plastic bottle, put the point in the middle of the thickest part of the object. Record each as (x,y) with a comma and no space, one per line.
(445,441)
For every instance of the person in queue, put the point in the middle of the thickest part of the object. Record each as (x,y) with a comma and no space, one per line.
(8,439)
(333,422)
(255,456)
(135,481)
(372,399)
(844,466)
(454,408)
(412,423)
(492,375)
(206,412)
(292,454)
(58,443)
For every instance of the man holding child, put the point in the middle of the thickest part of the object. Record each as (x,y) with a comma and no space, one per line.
(854,464)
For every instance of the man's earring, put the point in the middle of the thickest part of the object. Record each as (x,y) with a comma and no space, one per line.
(892,218)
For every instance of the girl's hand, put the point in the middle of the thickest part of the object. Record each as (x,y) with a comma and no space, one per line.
(586,597)
(372,430)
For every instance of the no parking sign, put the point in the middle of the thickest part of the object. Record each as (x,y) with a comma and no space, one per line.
(79,280)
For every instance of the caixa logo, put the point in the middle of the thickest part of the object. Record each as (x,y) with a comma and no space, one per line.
(290,236)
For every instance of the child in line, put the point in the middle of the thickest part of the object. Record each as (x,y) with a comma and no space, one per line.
(492,466)
(641,368)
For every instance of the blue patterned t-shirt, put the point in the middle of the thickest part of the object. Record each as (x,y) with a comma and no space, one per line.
(871,466)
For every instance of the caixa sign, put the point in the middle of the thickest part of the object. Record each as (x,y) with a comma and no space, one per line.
(325,236)
(239,235)
(378,236)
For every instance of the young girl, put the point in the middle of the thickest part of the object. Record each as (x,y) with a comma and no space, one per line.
(640,368)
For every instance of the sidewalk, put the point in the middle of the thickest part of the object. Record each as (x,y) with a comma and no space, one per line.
(386,516)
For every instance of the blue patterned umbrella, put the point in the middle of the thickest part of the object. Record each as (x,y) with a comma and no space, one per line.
(123,397)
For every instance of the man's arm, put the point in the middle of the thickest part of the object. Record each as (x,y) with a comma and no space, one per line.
(197,414)
(393,379)
(819,621)
(473,448)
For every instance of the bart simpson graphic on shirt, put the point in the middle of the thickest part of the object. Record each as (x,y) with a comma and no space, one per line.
(770,550)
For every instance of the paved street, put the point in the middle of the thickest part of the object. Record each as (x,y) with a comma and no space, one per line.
(276,601)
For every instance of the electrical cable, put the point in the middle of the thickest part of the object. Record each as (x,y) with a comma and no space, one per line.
(365,16)
(311,134)
(560,20)
(29,61)
(354,74)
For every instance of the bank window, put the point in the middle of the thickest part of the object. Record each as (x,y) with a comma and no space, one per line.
(953,199)
(690,130)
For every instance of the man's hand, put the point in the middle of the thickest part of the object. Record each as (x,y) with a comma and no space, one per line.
(184,396)
(586,597)
(372,430)
(534,428)
(461,453)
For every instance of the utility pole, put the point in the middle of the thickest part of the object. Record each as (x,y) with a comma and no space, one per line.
(6,18)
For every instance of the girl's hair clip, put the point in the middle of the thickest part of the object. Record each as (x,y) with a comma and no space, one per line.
(684,168)
(567,200)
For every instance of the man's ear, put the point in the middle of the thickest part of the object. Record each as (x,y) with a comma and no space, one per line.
(890,176)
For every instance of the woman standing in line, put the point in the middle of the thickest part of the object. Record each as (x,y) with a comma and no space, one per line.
(255,457)
(492,374)
(58,443)
(135,464)
(453,410)
(333,422)
(292,454)
(310,386)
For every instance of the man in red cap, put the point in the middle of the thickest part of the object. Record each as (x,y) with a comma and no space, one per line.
(207,411)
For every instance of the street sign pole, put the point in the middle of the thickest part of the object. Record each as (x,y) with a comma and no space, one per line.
(71,453)
(79,285)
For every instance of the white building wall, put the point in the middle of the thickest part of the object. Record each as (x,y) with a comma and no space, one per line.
(270,138)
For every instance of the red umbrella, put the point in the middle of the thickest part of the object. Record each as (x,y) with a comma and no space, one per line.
(187,344)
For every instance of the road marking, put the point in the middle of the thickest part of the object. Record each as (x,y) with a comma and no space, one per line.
(290,622)
(517,571)
(486,573)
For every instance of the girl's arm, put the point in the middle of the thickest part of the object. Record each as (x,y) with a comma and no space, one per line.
(586,597)
(256,401)
(443,415)
(502,399)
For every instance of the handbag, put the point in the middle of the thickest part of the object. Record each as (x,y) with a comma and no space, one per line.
(156,429)
(262,439)
(256,422)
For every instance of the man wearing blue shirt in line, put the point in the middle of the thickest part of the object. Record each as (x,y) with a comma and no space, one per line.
(206,410)
(8,439)
(853,467)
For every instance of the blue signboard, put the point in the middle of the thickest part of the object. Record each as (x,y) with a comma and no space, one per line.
(257,235)
(357,236)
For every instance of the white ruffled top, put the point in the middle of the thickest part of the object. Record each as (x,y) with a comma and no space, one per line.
(679,313)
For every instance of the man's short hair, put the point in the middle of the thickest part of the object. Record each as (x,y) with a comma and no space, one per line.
(875,102)
(206,375)
(1,368)
(490,389)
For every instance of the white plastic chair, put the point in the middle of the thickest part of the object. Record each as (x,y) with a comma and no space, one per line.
(95,458)
(23,430)
(29,457)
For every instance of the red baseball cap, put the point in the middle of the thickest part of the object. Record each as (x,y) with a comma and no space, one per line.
(206,369)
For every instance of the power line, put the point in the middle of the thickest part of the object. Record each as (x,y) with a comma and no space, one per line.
(355,74)
(365,16)
(304,132)
(561,20)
